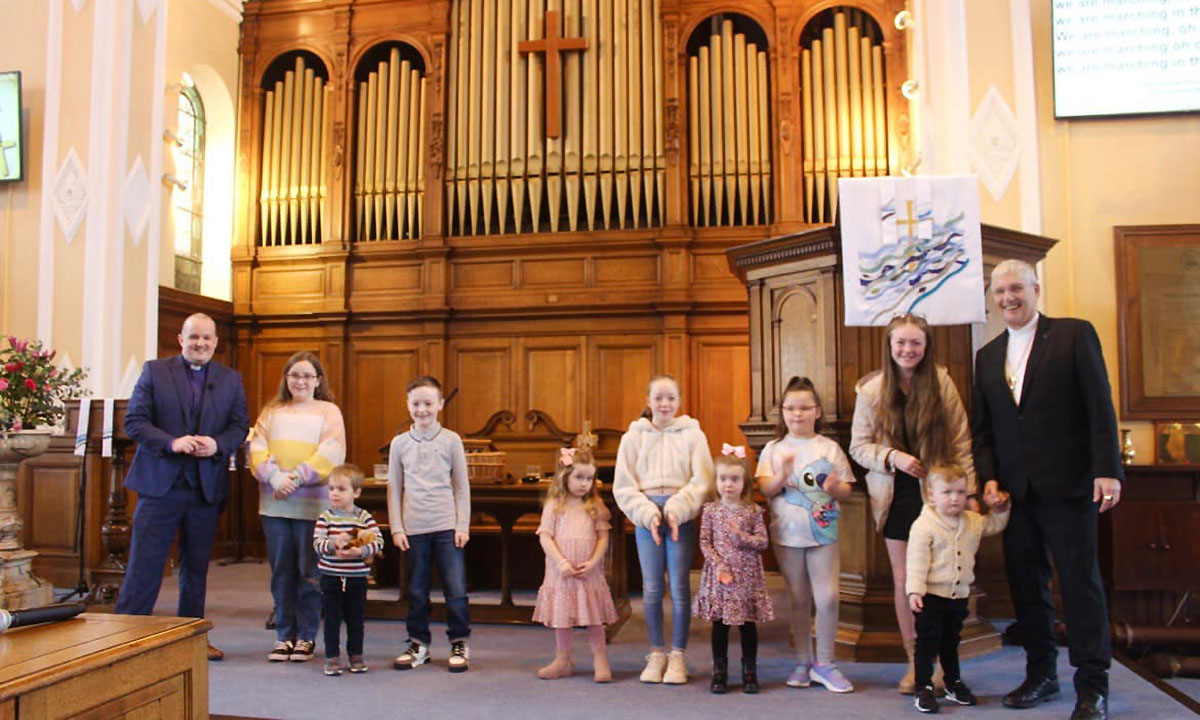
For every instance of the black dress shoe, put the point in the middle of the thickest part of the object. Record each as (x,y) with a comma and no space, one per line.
(1032,693)
(1090,706)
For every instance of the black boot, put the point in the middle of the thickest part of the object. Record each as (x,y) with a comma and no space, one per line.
(720,676)
(750,675)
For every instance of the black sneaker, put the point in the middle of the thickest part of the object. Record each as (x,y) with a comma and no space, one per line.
(458,656)
(281,652)
(958,692)
(925,699)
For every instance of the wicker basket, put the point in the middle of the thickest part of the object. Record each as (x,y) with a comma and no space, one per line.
(486,467)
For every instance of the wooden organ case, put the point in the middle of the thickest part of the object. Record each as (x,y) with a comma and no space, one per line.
(532,199)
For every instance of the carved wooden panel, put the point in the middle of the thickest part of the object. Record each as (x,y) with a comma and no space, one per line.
(481,369)
(375,392)
(553,379)
(721,372)
(622,368)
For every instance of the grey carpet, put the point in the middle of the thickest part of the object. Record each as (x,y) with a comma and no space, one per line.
(501,682)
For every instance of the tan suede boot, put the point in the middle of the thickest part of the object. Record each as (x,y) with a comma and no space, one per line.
(939,679)
(676,673)
(602,672)
(560,667)
(656,664)
(908,684)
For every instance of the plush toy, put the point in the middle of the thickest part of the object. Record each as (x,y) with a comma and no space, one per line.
(359,538)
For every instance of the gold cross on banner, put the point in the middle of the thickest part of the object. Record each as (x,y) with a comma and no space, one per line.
(911,221)
(553,44)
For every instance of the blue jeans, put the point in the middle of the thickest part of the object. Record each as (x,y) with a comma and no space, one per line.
(423,551)
(295,585)
(674,558)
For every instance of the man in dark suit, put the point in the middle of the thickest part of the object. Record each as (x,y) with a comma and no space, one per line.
(188,416)
(1045,431)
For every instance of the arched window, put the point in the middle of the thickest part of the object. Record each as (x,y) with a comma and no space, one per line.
(188,194)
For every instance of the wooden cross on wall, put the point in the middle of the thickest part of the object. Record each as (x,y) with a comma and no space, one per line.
(553,44)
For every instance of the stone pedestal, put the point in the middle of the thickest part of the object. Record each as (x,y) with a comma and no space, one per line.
(19,588)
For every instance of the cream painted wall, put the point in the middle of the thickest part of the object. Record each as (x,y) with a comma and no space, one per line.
(20,203)
(95,87)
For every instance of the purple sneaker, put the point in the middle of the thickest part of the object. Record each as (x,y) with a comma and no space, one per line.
(828,675)
(800,676)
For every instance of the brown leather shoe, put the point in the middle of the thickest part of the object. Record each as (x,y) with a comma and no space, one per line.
(214,654)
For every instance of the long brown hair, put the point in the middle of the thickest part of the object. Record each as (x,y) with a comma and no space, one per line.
(321,392)
(798,384)
(921,415)
(557,493)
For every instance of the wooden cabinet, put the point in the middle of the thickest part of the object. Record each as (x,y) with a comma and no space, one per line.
(1150,543)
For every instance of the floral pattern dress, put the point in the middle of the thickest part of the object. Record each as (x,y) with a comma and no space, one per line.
(564,602)
(745,599)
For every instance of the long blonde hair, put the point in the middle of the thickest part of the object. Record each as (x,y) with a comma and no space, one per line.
(921,416)
(557,493)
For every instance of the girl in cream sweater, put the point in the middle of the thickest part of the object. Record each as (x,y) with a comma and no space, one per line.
(664,474)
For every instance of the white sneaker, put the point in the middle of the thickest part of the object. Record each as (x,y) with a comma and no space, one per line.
(656,665)
(417,653)
(459,655)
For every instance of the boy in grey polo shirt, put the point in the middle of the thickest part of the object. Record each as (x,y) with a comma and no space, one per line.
(429,510)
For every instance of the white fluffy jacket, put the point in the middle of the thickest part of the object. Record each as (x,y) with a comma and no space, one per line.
(867,448)
(674,461)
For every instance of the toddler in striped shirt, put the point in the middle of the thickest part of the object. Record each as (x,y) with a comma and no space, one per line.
(345,538)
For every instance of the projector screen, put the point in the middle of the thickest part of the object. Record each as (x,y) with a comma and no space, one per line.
(1125,57)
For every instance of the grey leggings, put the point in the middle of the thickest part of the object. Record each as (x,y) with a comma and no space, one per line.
(812,575)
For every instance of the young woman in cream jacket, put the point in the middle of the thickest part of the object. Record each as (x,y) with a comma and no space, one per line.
(908,417)
(664,474)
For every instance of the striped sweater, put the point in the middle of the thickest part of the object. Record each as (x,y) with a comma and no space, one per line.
(334,521)
(307,439)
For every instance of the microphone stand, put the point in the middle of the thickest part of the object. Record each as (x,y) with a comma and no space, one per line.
(81,587)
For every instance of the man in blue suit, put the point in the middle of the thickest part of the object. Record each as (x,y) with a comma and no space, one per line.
(188,416)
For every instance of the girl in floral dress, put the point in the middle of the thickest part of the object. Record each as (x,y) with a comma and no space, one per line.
(733,589)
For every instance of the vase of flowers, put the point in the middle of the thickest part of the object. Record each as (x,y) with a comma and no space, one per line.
(33,395)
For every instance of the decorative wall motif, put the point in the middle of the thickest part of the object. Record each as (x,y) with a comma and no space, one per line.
(136,200)
(70,195)
(995,144)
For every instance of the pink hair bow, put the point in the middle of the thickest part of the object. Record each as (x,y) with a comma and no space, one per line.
(735,450)
(566,456)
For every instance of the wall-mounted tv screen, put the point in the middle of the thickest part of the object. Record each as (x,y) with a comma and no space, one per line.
(1125,57)
(12,141)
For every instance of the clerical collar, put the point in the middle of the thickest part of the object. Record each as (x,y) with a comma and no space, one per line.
(427,435)
(1026,329)
(190,365)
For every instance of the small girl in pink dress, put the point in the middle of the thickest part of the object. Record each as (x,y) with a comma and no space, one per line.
(574,534)
(733,588)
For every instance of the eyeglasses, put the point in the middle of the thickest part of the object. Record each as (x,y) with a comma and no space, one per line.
(306,377)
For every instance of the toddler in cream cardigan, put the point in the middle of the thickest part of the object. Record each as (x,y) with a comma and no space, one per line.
(941,566)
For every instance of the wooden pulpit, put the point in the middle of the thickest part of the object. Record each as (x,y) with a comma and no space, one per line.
(796,302)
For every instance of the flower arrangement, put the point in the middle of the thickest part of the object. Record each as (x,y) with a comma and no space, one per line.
(33,391)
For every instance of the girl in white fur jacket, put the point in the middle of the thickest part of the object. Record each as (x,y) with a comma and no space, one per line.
(664,474)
